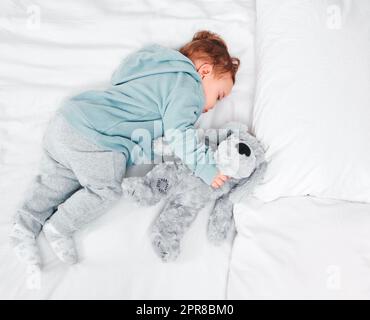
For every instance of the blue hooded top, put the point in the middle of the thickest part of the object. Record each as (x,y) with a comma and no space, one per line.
(155,92)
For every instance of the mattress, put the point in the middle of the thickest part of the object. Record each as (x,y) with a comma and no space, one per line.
(300,248)
(50,50)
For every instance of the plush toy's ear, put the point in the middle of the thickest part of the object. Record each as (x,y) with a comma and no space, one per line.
(207,141)
(239,129)
(213,137)
(210,137)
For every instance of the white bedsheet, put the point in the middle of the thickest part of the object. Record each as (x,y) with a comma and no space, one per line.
(53,49)
(300,248)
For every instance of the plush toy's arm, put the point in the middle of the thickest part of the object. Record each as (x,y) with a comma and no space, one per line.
(220,220)
(151,188)
(246,186)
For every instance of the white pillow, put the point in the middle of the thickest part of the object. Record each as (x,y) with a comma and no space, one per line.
(312,108)
(300,248)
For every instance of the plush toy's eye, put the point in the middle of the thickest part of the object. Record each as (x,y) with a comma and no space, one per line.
(229,133)
(243,149)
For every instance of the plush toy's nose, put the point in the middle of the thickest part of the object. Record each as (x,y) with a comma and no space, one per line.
(243,149)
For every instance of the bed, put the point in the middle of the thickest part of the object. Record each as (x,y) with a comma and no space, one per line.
(300,248)
(50,50)
(304,234)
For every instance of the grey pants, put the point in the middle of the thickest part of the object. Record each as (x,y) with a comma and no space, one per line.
(76,183)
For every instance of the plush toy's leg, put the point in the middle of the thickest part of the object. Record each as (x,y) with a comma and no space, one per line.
(172,223)
(150,189)
(221,220)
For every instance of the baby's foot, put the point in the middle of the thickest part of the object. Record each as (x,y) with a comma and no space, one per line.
(25,246)
(63,246)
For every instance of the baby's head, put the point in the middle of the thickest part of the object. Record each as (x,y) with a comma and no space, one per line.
(214,64)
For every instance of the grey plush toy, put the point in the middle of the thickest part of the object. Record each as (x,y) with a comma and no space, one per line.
(238,155)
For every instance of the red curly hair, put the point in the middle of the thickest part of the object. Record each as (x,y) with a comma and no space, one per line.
(210,47)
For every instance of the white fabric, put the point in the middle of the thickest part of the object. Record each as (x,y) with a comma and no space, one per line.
(300,248)
(312,109)
(50,50)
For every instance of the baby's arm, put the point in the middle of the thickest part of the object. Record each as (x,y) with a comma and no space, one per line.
(178,121)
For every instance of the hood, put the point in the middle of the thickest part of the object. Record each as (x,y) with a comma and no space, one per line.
(150,60)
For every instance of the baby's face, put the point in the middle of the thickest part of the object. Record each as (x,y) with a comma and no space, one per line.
(215,87)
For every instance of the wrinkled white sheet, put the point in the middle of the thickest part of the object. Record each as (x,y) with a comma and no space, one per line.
(53,49)
(300,248)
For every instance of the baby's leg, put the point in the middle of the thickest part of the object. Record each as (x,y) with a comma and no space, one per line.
(100,173)
(51,186)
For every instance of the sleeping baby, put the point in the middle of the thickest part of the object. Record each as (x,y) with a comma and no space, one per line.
(96,135)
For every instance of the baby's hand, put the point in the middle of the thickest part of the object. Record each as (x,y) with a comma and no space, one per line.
(219,181)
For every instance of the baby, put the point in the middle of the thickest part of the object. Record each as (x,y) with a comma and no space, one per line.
(95,135)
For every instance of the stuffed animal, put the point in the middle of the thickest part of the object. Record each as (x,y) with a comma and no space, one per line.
(237,154)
